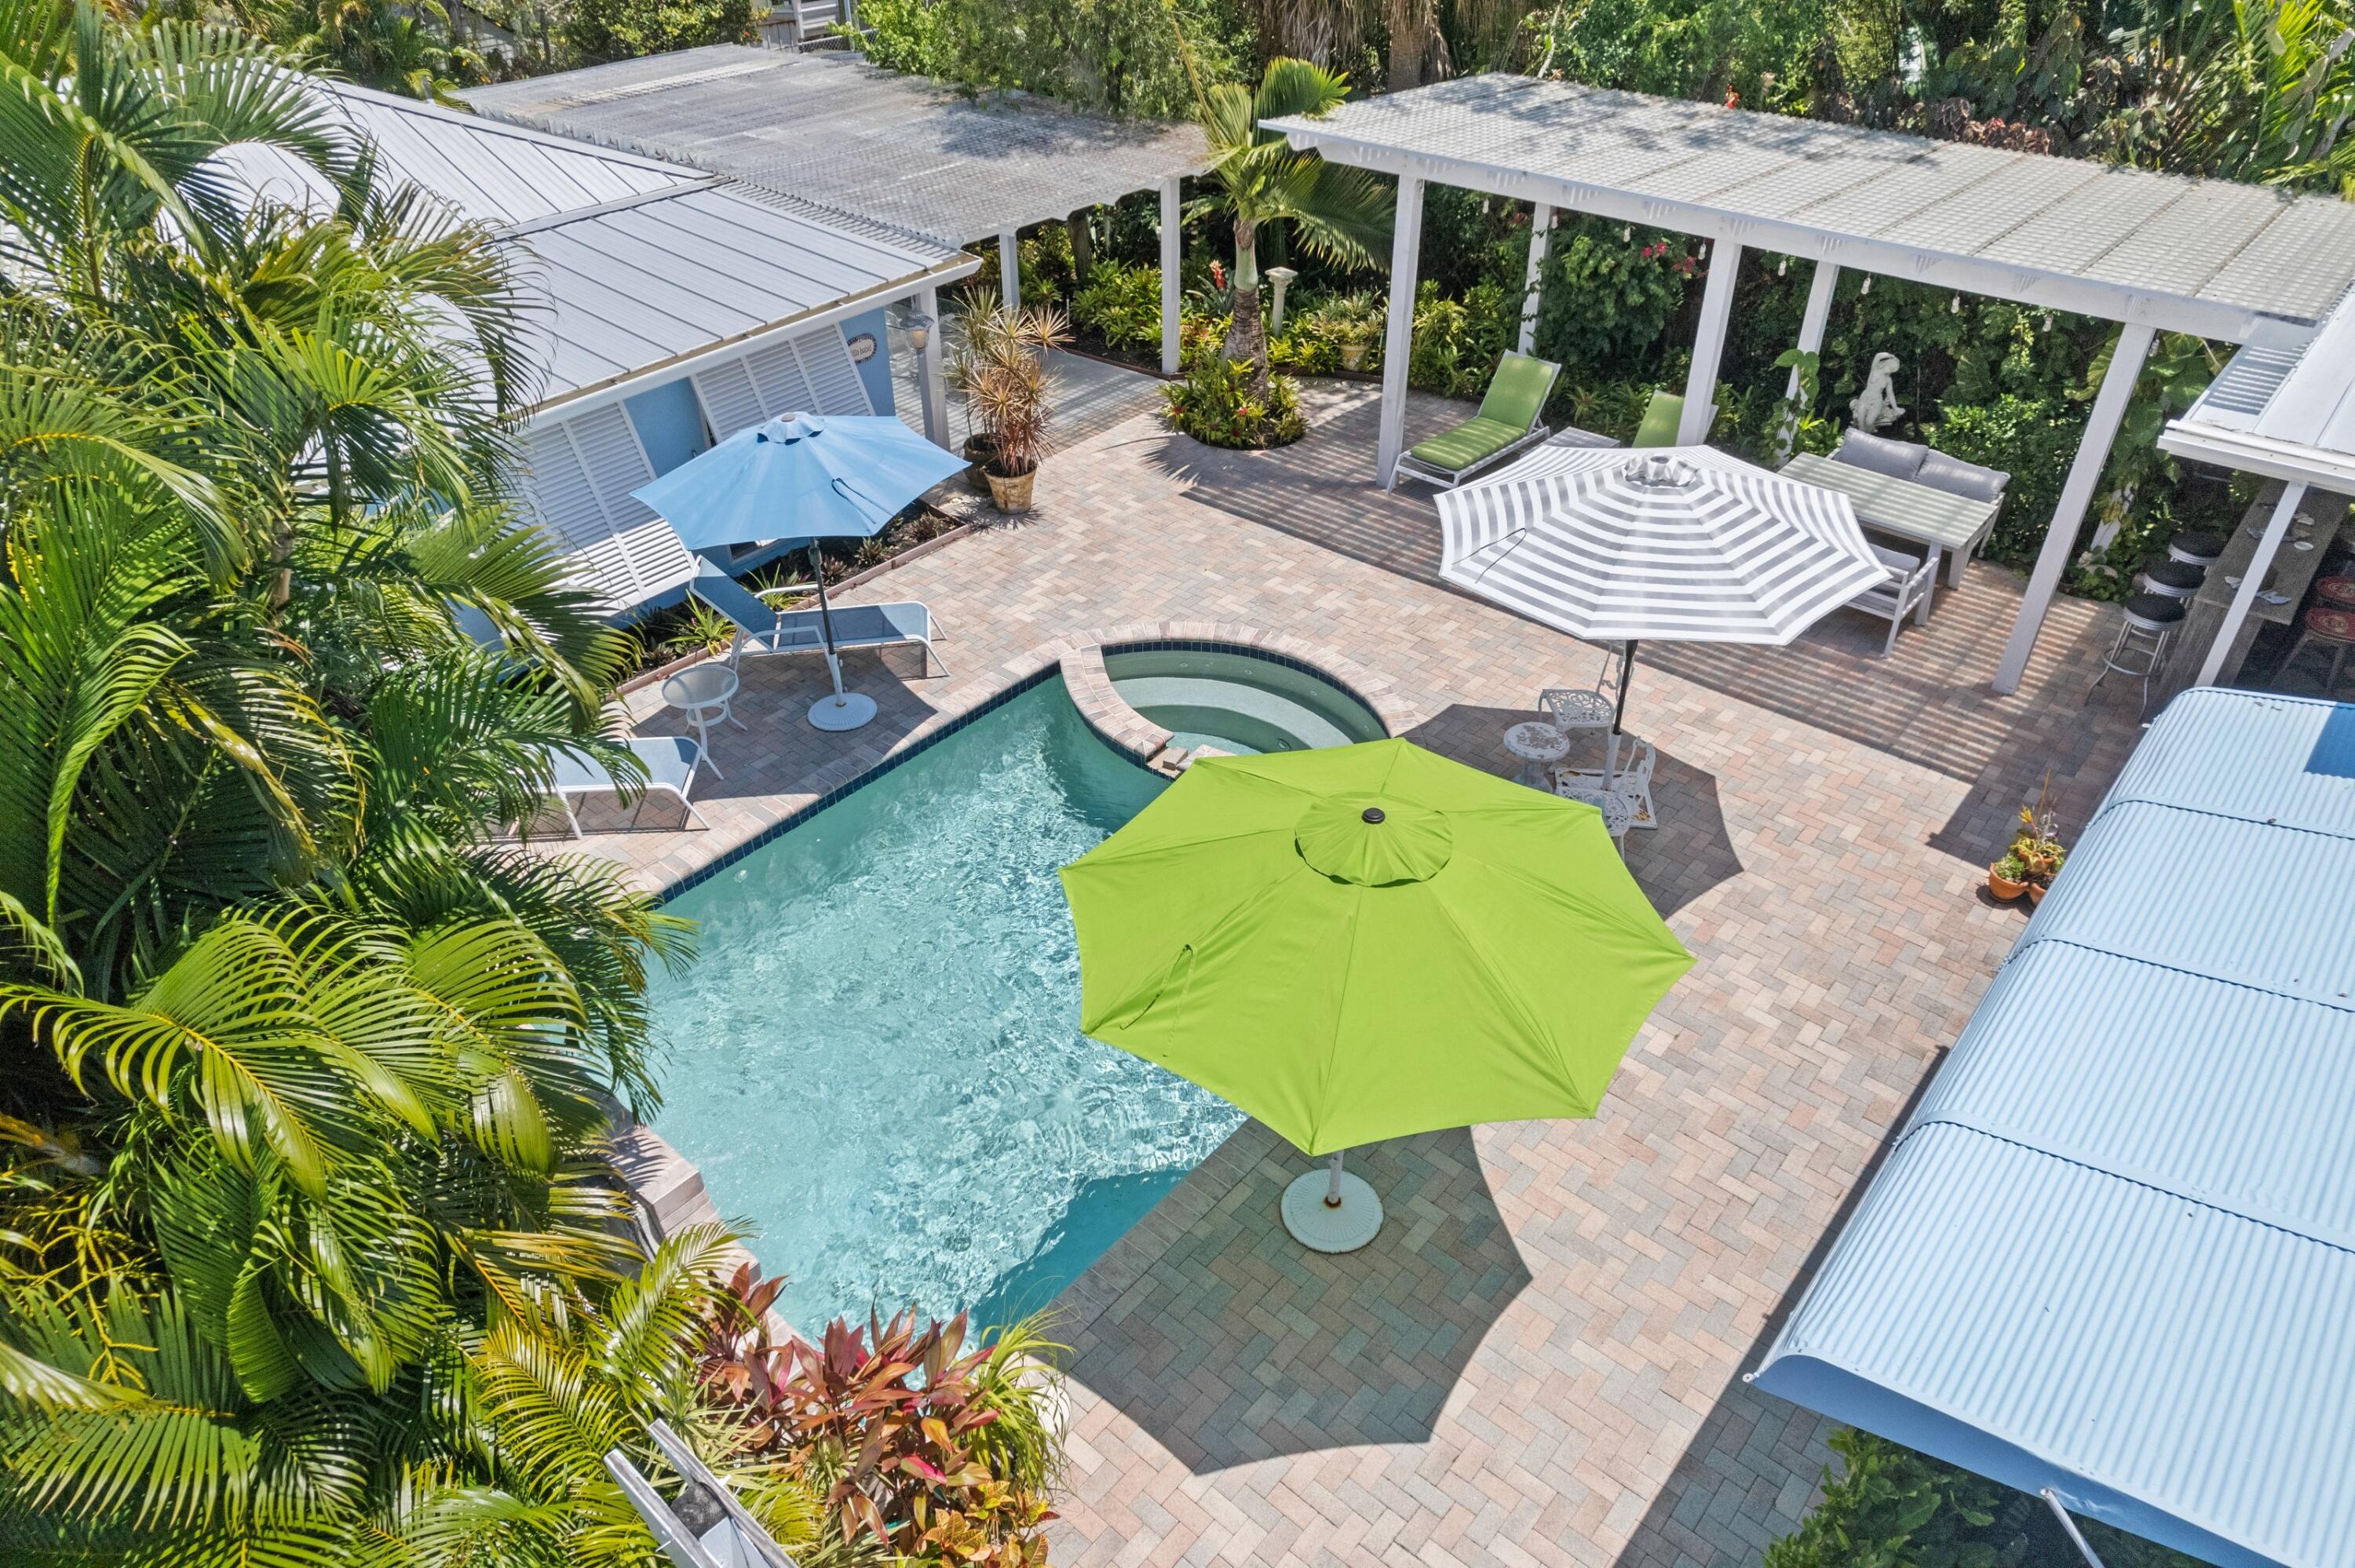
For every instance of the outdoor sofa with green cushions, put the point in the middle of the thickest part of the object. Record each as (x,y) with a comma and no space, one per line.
(1508,420)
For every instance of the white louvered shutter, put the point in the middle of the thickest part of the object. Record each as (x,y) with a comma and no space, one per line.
(811,374)
(835,382)
(729,400)
(583,470)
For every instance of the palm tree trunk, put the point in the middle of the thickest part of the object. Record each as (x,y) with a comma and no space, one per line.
(1246,328)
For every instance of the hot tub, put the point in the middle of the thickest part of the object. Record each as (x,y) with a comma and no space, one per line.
(1239,701)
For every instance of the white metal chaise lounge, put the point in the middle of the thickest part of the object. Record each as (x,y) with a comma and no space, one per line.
(761,629)
(671,762)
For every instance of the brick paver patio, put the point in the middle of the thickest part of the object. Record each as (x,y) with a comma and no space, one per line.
(1539,1359)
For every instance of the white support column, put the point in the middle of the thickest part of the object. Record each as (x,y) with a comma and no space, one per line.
(1540,241)
(1813,319)
(936,392)
(1009,269)
(1398,339)
(2253,578)
(2076,494)
(1172,239)
(1708,343)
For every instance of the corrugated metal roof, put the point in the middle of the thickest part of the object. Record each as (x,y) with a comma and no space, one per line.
(637,287)
(488,172)
(2111,1253)
(833,129)
(2240,754)
(2218,253)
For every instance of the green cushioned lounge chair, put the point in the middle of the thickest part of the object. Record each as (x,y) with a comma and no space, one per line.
(1507,422)
(1661,417)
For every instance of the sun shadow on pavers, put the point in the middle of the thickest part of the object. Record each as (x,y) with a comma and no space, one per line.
(1228,1342)
(1322,489)
(1752,1469)
(1675,863)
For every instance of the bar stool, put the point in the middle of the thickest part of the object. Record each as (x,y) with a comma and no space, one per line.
(2338,592)
(2147,626)
(2173,579)
(2201,550)
(2333,628)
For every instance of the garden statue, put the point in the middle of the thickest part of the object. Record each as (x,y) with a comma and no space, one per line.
(1876,405)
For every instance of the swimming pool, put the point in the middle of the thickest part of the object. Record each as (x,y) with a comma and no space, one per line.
(1238,702)
(876,1059)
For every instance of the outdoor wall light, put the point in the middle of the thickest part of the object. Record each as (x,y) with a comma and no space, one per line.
(920,331)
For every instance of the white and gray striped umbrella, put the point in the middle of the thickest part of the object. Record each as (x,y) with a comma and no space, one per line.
(1681,543)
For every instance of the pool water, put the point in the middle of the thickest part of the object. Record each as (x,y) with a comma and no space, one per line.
(1239,703)
(876,1059)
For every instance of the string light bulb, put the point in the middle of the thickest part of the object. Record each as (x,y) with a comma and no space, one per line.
(1627,231)
(1956,308)
(1783,268)
(1868,285)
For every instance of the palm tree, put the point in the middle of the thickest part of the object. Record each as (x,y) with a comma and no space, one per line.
(1254,178)
(304,1075)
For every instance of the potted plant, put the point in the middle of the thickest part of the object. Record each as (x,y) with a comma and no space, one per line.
(2008,878)
(2037,846)
(1001,369)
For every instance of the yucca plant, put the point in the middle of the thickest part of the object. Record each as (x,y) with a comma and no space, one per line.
(1000,366)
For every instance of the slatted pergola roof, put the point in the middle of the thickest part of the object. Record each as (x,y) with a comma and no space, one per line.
(836,131)
(2153,252)
(2209,257)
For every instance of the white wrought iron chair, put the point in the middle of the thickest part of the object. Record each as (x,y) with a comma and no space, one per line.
(1590,710)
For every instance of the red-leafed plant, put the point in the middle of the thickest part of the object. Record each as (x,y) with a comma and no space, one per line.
(937,1453)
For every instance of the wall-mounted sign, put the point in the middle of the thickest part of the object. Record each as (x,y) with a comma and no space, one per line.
(862,348)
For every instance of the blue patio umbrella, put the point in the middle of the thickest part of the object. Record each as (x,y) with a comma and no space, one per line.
(797,480)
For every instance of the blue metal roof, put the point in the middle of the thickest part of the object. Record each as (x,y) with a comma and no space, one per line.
(2112,1252)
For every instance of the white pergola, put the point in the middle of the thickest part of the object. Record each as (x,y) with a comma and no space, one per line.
(2153,252)
(2285,409)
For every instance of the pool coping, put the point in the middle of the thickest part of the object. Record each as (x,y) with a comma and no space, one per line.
(669,1188)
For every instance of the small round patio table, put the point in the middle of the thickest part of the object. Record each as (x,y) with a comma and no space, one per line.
(1537,744)
(702,691)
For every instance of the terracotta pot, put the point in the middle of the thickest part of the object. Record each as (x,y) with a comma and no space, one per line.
(1012,494)
(979,450)
(2003,887)
(2035,892)
(1353,357)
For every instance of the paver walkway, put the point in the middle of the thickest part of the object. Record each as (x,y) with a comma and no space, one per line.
(1539,1361)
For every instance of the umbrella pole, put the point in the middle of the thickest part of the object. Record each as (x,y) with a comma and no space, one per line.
(843,709)
(1619,715)
(826,623)
(1333,1185)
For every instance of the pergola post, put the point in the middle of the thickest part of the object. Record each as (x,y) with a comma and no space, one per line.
(1708,343)
(1172,239)
(2253,578)
(936,394)
(1540,241)
(1398,338)
(2076,494)
(1009,269)
(1813,319)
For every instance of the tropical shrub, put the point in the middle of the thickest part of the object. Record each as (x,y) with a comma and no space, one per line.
(2033,441)
(1123,56)
(1458,341)
(1607,301)
(625,29)
(913,1442)
(1215,405)
(1121,305)
(1889,1507)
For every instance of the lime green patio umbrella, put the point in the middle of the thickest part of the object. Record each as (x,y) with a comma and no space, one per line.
(1364,942)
